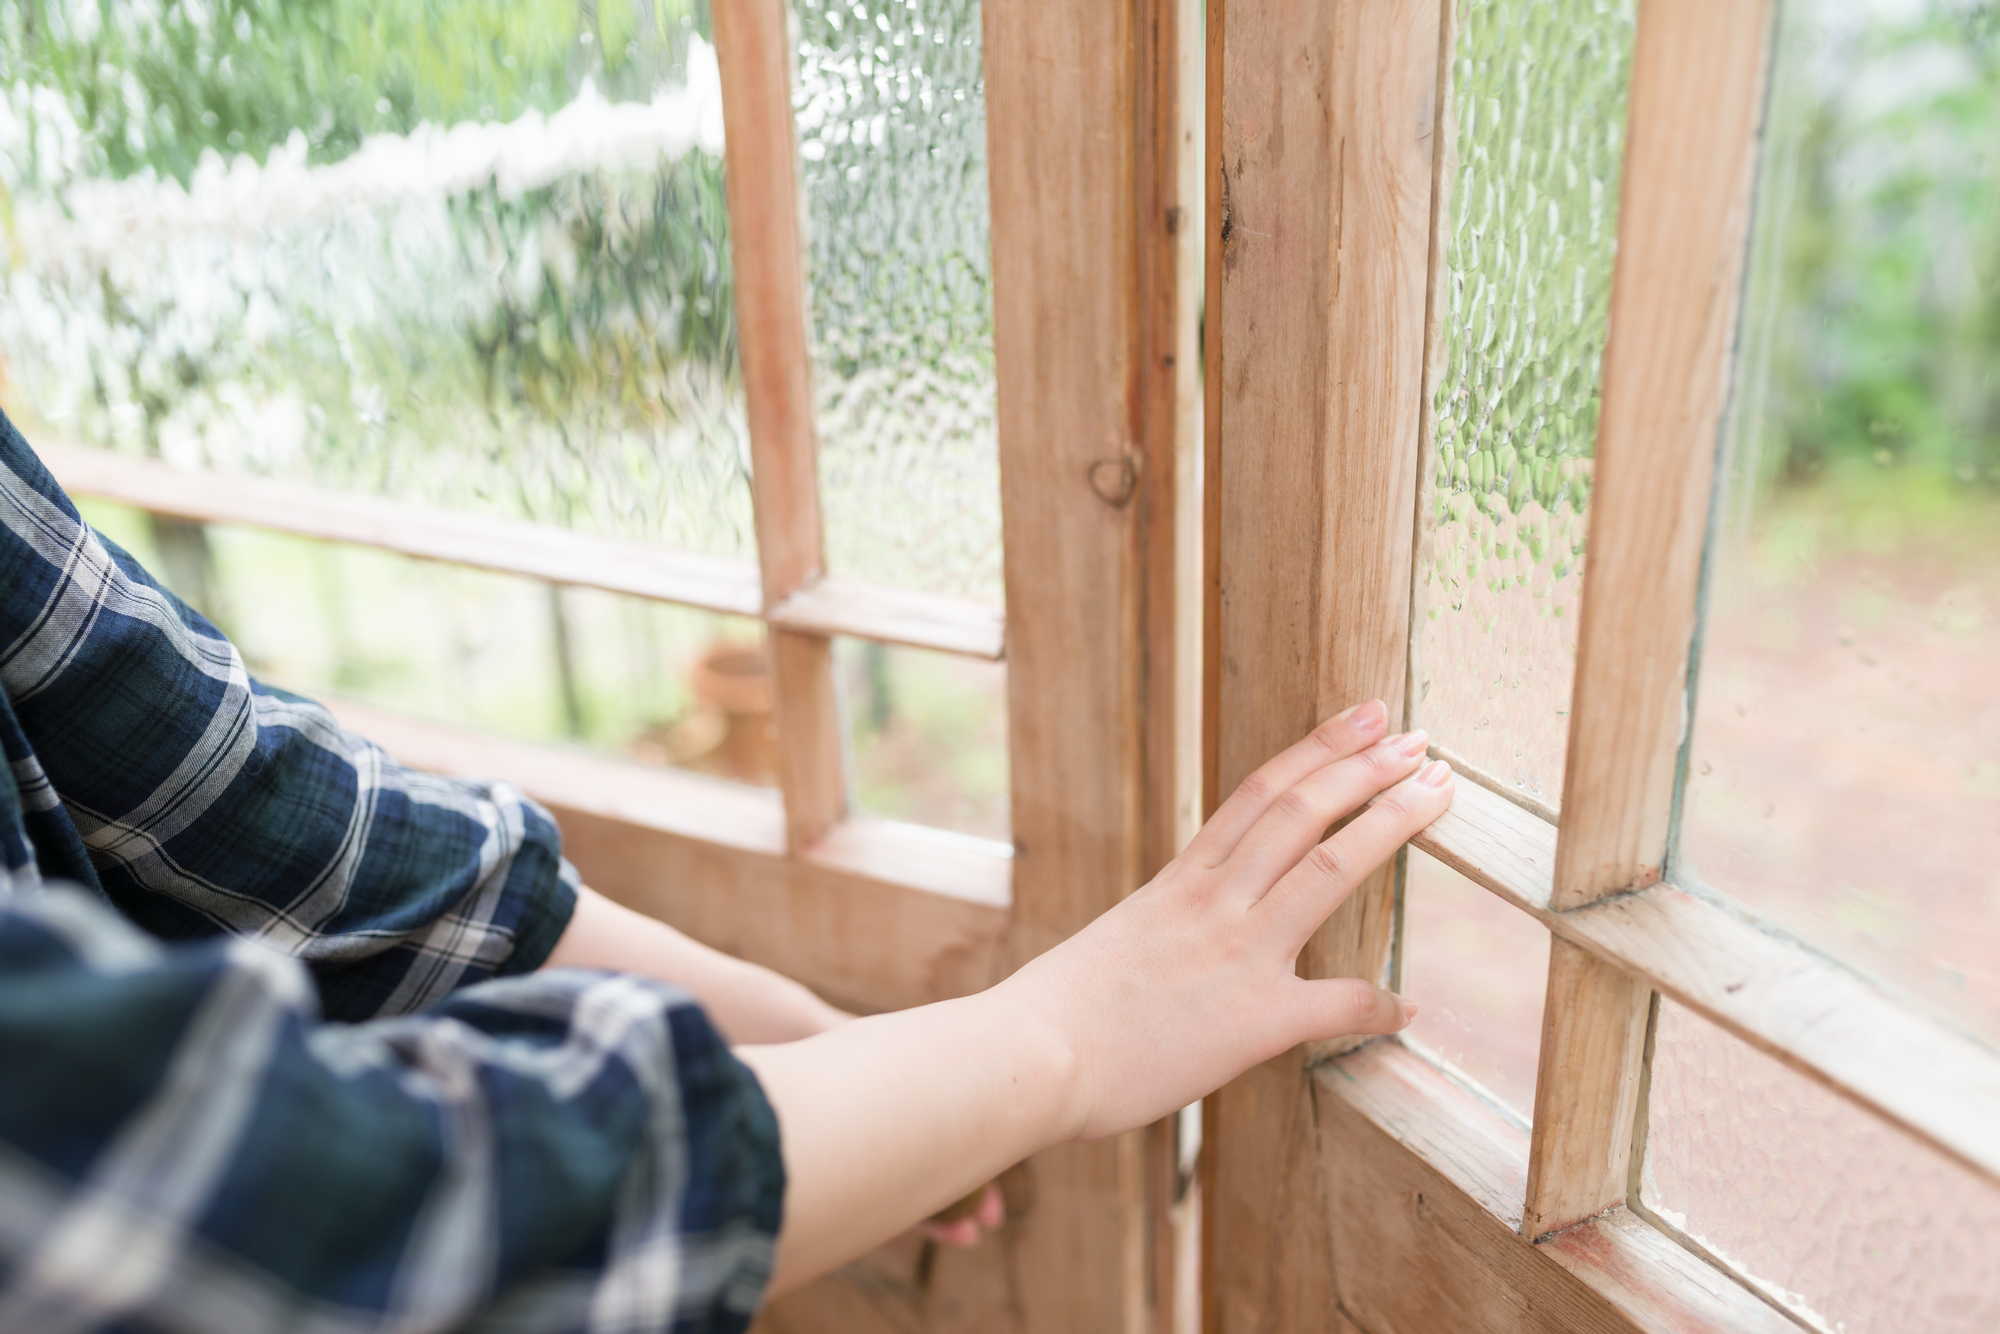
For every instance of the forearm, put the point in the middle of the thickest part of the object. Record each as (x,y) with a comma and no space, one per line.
(745,1002)
(889,1118)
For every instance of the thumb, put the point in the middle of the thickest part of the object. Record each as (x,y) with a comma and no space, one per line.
(1338,1007)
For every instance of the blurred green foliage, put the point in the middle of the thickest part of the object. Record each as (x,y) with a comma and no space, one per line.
(156,85)
(1884,334)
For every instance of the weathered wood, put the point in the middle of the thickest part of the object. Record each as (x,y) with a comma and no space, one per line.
(753,52)
(1169,270)
(1683,219)
(505,546)
(1087,479)
(879,916)
(1417,1172)
(837,605)
(832,605)
(1321,169)
(1780,997)
(1586,1090)
(1659,1283)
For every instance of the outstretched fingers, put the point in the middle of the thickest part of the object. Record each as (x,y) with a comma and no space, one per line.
(1298,817)
(1321,882)
(1335,739)
(1338,1007)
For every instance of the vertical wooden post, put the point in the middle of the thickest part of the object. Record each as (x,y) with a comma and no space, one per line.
(762,185)
(1320,249)
(1062,171)
(1161,1225)
(1593,1035)
(1683,218)
(1698,70)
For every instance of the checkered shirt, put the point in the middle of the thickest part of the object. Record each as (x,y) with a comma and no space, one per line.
(273,1052)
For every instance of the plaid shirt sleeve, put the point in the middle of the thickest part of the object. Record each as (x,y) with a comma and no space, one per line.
(186,1143)
(201,802)
(183,1147)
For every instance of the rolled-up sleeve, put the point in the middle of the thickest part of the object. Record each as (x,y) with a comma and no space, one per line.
(201,801)
(185,1145)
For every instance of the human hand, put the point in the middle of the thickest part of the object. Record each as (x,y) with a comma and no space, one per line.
(965,1221)
(1193,978)
(1184,985)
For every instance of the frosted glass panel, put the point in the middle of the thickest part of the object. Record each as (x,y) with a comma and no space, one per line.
(1538,100)
(1478,970)
(442,249)
(1840,1219)
(891,110)
(1844,771)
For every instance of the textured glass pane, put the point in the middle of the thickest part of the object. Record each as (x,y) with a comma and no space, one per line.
(1844,771)
(467,253)
(928,733)
(1839,1218)
(657,683)
(1478,970)
(892,126)
(1538,99)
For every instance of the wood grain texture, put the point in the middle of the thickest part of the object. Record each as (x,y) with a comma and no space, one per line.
(882,917)
(1081,400)
(761,180)
(1660,1284)
(1586,1089)
(1413,1165)
(831,605)
(1321,167)
(1790,1002)
(838,605)
(1698,71)
(506,546)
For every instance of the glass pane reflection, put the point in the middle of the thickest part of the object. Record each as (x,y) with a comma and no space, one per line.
(1478,969)
(928,736)
(891,101)
(1842,1220)
(465,253)
(1844,771)
(1538,101)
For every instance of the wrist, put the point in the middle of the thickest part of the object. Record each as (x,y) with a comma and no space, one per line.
(1053,1056)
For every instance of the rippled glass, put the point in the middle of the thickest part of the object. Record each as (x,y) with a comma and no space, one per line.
(1539,92)
(1844,767)
(1839,1218)
(470,254)
(645,680)
(890,99)
(927,733)
(1478,969)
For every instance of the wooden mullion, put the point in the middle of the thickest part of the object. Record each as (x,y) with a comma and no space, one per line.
(1319,259)
(1683,226)
(1422,1178)
(1586,1090)
(762,184)
(1696,100)
(1782,998)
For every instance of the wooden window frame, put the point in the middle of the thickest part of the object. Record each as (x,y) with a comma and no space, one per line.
(1096,265)
(1366,1189)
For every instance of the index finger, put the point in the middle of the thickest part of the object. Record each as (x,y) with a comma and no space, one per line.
(1344,734)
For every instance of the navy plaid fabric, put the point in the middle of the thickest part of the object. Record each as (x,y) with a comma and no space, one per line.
(187,1142)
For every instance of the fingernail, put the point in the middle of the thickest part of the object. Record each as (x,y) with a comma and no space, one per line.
(1437,773)
(1412,744)
(1367,717)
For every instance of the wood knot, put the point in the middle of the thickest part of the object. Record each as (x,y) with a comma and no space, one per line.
(1114,480)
